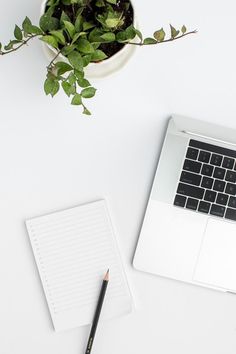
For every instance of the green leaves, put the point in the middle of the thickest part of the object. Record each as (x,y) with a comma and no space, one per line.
(174,32)
(52,41)
(183,29)
(98,55)
(18,33)
(76,60)
(76,100)
(51,86)
(108,37)
(84,46)
(159,35)
(48,23)
(63,67)
(59,36)
(88,92)
(68,88)
(70,28)
(149,40)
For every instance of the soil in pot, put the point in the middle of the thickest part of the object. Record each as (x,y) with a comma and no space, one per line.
(89,14)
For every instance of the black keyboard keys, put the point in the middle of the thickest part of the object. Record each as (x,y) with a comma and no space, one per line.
(207,182)
(216,159)
(228,163)
(230,189)
(219,173)
(192,166)
(222,199)
(217,210)
(191,191)
(192,153)
(219,186)
(230,176)
(180,200)
(210,196)
(191,178)
(204,156)
(207,170)
(192,203)
(204,207)
(230,214)
(232,202)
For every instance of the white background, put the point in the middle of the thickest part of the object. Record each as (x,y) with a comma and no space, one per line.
(53,157)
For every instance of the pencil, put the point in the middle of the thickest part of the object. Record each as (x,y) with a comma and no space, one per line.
(97,313)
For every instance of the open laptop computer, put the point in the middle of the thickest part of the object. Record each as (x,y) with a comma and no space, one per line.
(189,230)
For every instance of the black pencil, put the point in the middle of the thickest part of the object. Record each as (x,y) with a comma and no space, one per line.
(97,313)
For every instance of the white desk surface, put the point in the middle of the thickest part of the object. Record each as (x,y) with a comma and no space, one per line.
(52,157)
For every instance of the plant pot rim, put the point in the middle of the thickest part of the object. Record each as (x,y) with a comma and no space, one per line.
(105,67)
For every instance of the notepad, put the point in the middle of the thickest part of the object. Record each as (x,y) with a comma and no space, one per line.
(73,249)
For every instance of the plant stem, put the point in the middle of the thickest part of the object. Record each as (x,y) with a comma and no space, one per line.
(53,59)
(164,41)
(19,46)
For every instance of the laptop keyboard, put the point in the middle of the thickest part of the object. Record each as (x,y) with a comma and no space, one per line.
(207,182)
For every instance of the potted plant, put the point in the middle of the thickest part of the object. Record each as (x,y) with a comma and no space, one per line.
(92,37)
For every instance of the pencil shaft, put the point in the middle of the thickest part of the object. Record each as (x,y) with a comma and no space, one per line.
(96,317)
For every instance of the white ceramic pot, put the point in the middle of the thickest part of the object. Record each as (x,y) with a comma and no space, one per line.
(100,69)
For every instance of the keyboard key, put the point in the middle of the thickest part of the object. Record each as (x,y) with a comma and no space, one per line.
(207,170)
(230,176)
(228,163)
(192,153)
(191,191)
(180,200)
(191,178)
(204,156)
(210,196)
(219,186)
(204,207)
(222,199)
(212,148)
(217,210)
(219,173)
(207,182)
(230,214)
(232,202)
(192,204)
(230,189)
(216,159)
(192,166)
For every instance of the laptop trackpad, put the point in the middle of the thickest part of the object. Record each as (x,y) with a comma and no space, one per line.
(216,264)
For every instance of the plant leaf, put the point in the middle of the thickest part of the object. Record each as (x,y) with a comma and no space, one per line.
(86,59)
(183,29)
(48,23)
(114,2)
(64,17)
(75,60)
(51,87)
(59,36)
(84,46)
(108,37)
(76,100)
(174,32)
(50,40)
(130,32)
(98,55)
(26,25)
(83,83)
(149,41)
(159,35)
(88,92)
(86,111)
(18,33)
(88,25)
(79,23)
(62,67)
(68,88)
(70,28)
(139,34)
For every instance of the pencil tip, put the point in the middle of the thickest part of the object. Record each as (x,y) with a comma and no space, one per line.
(106,277)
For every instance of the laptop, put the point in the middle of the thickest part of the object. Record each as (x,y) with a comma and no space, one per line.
(189,228)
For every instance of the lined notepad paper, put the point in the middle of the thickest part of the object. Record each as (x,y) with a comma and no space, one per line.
(73,249)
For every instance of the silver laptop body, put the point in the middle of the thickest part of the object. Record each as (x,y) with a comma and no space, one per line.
(189,229)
